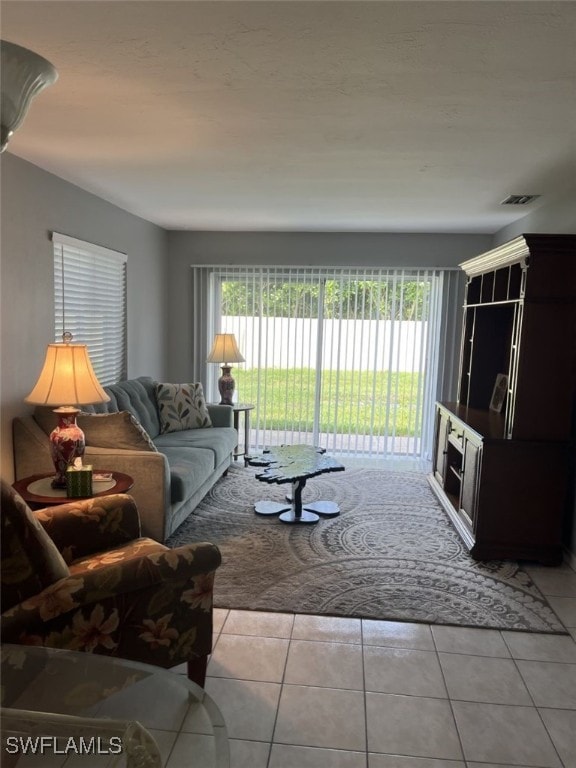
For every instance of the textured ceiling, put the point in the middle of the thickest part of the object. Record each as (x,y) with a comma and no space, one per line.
(359,116)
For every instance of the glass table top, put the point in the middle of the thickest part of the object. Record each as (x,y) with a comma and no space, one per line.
(118,712)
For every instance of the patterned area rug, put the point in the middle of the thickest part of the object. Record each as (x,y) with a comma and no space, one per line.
(391,554)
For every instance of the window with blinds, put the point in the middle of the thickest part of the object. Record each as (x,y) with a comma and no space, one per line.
(90,303)
(342,358)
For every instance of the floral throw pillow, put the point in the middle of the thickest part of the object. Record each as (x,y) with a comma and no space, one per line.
(182,406)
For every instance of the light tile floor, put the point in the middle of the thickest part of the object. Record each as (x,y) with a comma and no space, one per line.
(318,692)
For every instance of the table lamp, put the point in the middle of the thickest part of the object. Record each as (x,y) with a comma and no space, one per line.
(66,377)
(225,350)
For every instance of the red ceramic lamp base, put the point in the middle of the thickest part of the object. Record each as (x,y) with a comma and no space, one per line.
(66,444)
(226,386)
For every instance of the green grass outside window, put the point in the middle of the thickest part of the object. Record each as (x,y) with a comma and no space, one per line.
(356,402)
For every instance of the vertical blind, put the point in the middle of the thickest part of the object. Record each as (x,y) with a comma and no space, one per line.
(90,302)
(342,358)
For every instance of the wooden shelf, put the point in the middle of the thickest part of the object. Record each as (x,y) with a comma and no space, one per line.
(455,471)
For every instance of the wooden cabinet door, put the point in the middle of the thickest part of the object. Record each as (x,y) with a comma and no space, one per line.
(470,482)
(441,445)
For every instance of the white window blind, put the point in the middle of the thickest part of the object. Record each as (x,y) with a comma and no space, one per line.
(90,303)
(343,358)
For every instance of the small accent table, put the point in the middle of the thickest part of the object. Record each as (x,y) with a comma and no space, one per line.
(295,464)
(237,409)
(37,491)
(104,708)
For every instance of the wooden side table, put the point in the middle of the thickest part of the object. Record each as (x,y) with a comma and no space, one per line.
(37,491)
(237,409)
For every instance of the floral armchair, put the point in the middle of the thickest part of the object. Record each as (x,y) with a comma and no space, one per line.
(80,576)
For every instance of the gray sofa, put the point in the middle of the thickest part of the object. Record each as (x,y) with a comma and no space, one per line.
(172,472)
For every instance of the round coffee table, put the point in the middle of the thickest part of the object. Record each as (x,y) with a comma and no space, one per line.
(37,491)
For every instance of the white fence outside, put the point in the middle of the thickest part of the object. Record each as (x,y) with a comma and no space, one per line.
(349,345)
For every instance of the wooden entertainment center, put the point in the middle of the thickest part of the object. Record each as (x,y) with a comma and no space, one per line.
(502,463)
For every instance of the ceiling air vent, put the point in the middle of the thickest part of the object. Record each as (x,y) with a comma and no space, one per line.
(519,199)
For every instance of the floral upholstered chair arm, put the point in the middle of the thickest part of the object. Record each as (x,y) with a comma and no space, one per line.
(156,608)
(145,561)
(82,527)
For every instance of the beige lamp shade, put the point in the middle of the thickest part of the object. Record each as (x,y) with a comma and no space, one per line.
(67,378)
(225,350)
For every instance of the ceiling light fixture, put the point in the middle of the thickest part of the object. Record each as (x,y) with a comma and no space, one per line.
(23,75)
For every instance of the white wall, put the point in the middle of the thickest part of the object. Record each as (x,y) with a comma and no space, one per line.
(348,345)
(35,203)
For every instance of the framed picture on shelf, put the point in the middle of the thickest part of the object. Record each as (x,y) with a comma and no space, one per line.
(499,392)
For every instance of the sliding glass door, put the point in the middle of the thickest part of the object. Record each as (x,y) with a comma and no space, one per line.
(345,359)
